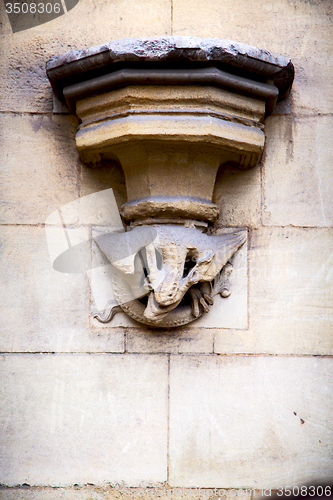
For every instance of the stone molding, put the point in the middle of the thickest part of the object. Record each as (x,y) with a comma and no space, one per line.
(81,65)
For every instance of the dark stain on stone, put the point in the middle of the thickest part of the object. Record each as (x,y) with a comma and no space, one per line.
(36,123)
(302,421)
(289,139)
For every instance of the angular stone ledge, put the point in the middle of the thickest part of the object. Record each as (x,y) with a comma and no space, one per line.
(77,66)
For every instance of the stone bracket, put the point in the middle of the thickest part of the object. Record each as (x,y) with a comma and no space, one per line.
(170,110)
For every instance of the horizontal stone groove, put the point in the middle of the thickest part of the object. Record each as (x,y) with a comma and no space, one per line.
(177,112)
(200,76)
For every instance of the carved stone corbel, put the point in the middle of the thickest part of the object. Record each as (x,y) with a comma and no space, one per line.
(171,110)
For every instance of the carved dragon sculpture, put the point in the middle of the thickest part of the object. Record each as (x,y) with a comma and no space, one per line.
(177,269)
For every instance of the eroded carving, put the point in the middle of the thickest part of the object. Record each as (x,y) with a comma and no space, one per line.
(168,273)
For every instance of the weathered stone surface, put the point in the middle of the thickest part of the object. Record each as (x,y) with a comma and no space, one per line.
(299,30)
(229,312)
(290,294)
(291,289)
(70,74)
(174,96)
(109,174)
(246,413)
(42,309)
(38,167)
(161,492)
(83,419)
(298,181)
(103,297)
(190,48)
(256,421)
(25,87)
(237,194)
(181,340)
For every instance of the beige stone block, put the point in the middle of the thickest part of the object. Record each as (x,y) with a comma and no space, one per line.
(262,422)
(38,167)
(298,181)
(180,340)
(290,290)
(296,29)
(237,194)
(78,419)
(24,84)
(43,309)
(108,175)
(170,97)
(291,300)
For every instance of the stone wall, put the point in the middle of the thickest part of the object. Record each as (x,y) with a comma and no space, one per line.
(88,409)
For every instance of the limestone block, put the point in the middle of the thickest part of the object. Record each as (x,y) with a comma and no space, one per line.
(43,309)
(182,340)
(24,84)
(237,194)
(78,419)
(290,290)
(256,421)
(299,30)
(298,181)
(109,174)
(38,167)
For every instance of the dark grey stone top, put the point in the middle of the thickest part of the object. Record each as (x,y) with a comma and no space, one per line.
(174,47)
(81,65)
